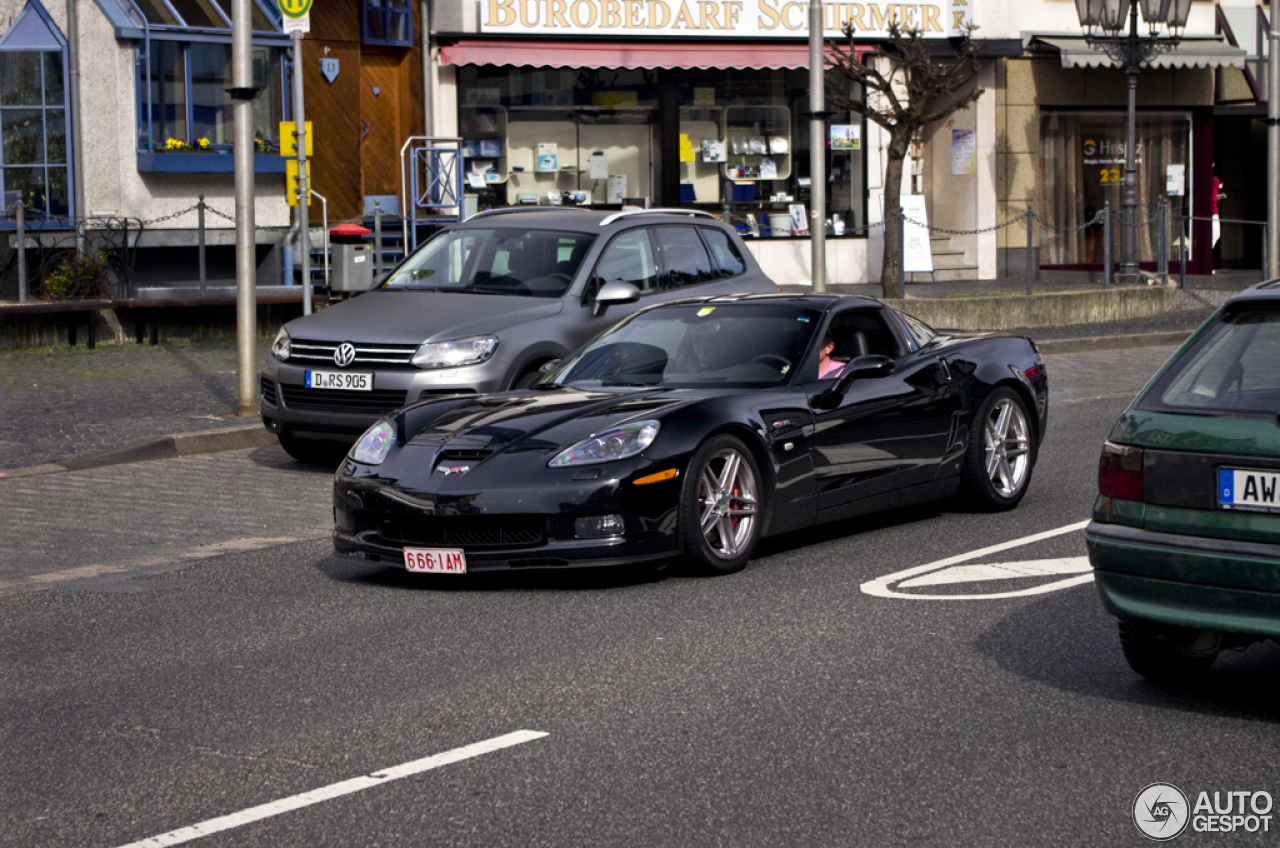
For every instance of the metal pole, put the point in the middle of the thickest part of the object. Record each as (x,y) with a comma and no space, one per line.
(1108,242)
(1129,248)
(77,126)
(1030,247)
(1265,231)
(304,196)
(1162,241)
(204,277)
(902,255)
(1272,267)
(817,149)
(242,94)
(428,118)
(22,252)
(1182,246)
(324,212)
(377,238)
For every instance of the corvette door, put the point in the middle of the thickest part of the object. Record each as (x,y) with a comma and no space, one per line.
(888,433)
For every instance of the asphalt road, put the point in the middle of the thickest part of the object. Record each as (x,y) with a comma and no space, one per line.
(179,650)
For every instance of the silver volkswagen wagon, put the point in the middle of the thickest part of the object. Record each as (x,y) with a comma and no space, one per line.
(482,306)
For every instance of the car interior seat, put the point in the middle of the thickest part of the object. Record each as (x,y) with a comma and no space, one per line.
(850,345)
(570,266)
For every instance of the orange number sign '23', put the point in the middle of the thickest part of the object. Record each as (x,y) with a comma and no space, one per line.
(1110,175)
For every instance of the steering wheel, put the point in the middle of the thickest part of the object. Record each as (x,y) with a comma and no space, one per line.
(782,362)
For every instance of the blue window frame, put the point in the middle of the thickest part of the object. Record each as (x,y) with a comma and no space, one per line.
(386,22)
(183,66)
(183,97)
(35,165)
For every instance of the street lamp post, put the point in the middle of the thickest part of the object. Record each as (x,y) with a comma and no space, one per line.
(1103,22)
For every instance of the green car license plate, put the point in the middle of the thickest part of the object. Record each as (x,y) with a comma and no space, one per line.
(1248,489)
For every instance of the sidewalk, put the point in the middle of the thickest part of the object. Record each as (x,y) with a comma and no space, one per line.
(67,403)
(77,408)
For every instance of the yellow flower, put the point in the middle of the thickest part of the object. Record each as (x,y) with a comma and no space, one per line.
(204,143)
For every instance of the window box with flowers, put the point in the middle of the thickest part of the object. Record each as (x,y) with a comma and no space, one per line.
(176,156)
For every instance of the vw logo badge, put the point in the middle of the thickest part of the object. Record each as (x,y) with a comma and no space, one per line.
(345,354)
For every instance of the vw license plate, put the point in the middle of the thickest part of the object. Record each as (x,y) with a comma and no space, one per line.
(1241,488)
(435,560)
(351,381)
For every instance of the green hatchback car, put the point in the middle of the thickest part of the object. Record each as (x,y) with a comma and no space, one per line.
(1185,537)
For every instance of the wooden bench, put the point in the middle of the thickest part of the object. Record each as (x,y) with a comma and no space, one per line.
(73,309)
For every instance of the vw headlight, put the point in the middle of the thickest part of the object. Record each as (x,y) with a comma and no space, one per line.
(614,443)
(455,352)
(280,347)
(375,444)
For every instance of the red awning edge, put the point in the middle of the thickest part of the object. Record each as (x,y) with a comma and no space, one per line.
(657,54)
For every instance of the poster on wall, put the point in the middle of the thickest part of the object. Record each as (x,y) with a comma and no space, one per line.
(598,165)
(917,254)
(964,152)
(617,188)
(547,160)
(846,137)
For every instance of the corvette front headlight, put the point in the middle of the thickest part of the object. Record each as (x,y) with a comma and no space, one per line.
(280,347)
(375,444)
(614,443)
(455,352)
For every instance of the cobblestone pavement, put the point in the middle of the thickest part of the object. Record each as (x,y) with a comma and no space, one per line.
(60,402)
(178,510)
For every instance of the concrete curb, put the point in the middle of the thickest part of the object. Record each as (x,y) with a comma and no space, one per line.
(237,437)
(1082,345)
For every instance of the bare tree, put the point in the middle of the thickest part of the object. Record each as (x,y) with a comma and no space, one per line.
(916,90)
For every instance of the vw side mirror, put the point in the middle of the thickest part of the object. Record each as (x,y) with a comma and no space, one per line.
(548,366)
(614,291)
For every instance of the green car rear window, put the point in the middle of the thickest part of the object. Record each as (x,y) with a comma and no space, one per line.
(1233,369)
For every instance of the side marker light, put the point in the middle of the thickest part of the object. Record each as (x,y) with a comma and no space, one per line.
(669,474)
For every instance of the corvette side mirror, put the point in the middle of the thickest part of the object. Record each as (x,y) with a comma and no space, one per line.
(870,367)
(614,291)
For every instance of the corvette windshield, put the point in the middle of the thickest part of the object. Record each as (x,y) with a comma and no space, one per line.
(735,345)
(528,263)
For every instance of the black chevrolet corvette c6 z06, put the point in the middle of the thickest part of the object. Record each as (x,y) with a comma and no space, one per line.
(696,428)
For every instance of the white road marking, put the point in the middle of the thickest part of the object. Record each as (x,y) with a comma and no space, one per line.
(1001,571)
(880,587)
(335,790)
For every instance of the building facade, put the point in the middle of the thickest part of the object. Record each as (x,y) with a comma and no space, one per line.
(671,103)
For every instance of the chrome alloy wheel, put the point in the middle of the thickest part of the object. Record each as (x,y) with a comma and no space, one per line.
(1007,446)
(727,503)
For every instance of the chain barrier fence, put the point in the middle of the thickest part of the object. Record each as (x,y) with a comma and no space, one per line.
(96,257)
(1112,223)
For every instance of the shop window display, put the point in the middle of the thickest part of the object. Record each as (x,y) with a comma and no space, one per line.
(564,135)
(1082,167)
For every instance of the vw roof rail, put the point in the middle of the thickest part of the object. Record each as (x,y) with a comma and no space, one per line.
(509,209)
(697,213)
